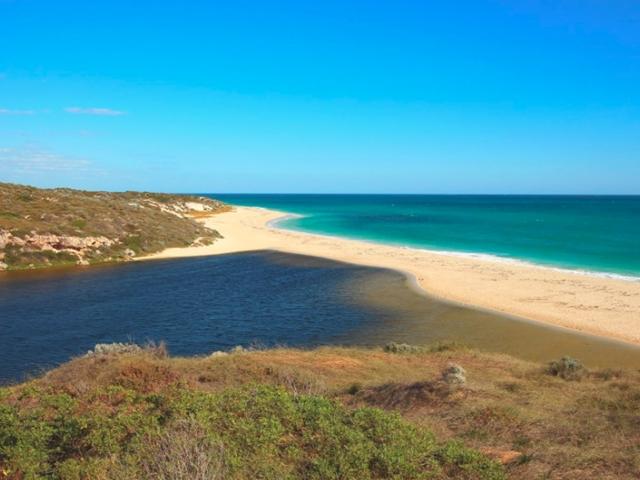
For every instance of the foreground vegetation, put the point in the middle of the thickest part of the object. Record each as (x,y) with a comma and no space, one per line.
(324,413)
(50,227)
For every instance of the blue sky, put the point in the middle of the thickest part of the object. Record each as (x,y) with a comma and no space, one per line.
(332,96)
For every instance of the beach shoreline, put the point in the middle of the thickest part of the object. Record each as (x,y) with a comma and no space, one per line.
(600,305)
(275,223)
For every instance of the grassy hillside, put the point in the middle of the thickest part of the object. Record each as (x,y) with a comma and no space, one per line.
(48,227)
(325,413)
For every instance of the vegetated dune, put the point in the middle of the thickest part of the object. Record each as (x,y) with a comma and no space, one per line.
(48,227)
(404,412)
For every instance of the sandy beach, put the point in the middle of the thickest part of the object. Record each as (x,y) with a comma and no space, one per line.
(602,306)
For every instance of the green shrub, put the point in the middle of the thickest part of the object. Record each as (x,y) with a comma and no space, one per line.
(463,463)
(567,368)
(252,432)
(79,223)
(393,347)
(443,346)
(134,242)
(446,346)
(354,388)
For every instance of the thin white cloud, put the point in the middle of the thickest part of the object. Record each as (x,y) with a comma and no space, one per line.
(104,112)
(32,159)
(7,111)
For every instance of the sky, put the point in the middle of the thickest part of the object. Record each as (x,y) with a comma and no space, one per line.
(336,96)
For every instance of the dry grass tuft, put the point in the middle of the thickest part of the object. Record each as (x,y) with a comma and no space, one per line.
(414,396)
(298,383)
(183,451)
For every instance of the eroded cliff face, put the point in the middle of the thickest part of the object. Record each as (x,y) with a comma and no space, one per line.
(41,228)
(80,247)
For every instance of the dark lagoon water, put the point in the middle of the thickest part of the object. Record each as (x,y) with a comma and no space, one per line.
(199,305)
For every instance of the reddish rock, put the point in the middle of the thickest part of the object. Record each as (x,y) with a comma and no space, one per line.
(502,456)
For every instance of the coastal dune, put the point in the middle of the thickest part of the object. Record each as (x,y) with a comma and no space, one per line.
(608,307)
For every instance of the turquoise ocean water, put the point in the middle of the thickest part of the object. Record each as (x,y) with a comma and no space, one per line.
(600,234)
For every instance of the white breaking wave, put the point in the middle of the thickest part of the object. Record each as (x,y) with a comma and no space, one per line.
(275,223)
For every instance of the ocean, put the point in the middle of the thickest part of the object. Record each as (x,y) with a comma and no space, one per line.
(597,234)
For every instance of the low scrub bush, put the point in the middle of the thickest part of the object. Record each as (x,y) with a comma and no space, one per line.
(183,451)
(393,347)
(252,432)
(446,346)
(567,368)
(443,346)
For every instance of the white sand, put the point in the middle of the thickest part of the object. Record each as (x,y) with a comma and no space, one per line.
(603,306)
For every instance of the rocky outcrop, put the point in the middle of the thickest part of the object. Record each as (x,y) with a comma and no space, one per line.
(502,456)
(5,239)
(65,242)
(78,246)
(116,348)
(454,375)
(184,208)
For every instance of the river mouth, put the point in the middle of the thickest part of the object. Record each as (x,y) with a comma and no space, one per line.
(417,318)
(265,298)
